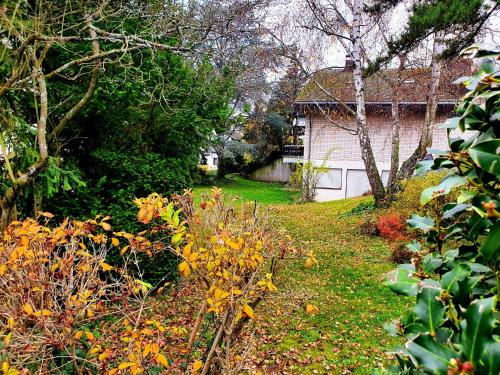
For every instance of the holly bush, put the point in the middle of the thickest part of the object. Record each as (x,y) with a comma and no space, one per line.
(454,275)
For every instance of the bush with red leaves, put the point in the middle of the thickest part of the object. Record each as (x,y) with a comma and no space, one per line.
(392,227)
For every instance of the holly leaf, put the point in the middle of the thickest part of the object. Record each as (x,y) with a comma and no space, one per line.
(477,329)
(491,244)
(489,363)
(487,156)
(430,262)
(443,188)
(402,282)
(450,279)
(429,309)
(431,355)
(424,223)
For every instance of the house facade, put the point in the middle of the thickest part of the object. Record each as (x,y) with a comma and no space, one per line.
(330,137)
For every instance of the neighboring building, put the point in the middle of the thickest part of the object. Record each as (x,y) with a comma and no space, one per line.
(340,150)
(209,158)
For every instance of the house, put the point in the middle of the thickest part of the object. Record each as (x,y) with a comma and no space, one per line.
(339,149)
(209,158)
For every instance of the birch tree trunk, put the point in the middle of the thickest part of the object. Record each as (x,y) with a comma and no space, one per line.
(408,166)
(392,184)
(374,178)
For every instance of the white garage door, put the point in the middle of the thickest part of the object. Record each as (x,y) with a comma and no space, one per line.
(332,179)
(357,182)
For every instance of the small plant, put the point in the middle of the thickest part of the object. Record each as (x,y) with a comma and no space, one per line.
(360,209)
(392,227)
(305,179)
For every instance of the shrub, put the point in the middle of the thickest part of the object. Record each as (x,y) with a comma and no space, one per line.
(453,327)
(305,179)
(400,253)
(55,289)
(408,200)
(392,227)
(230,256)
(369,228)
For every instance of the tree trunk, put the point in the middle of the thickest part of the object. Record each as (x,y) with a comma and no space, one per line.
(364,138)
(221,165)
(393,183)
(409,165)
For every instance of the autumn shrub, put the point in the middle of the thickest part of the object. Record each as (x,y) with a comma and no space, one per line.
(392,227)
(63,308)
(231,256)
(408,200)
(55,287)
(368,227)
(305,179)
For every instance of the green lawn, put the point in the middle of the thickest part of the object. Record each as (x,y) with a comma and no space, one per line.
(347,336)
(248,190)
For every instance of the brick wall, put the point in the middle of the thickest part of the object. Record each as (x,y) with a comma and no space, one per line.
(329,140)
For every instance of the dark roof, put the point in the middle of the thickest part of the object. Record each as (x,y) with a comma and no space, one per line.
(414,90)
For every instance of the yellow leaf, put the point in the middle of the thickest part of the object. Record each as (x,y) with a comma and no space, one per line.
(197,365)
(103,356)
(115,242)
(106,267)
(187,249)
(147,331)
(78,335)
(160,358)
(6,340)
(40,313)
(184,269)
(10,323)
(147,350)
(105,225)
(94,350)
(248,311)
(125,365)
(311,309)
(3,269)
(28,309)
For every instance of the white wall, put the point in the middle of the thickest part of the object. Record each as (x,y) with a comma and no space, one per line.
(327,144)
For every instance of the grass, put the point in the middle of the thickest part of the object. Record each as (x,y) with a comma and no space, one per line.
(347,335)
(263,192)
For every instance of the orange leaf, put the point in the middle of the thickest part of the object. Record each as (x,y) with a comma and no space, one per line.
(311,309)
(197,365)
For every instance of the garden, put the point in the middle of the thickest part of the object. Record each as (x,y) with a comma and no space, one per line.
(135,242)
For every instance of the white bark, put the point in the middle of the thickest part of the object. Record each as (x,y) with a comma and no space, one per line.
(364,137)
